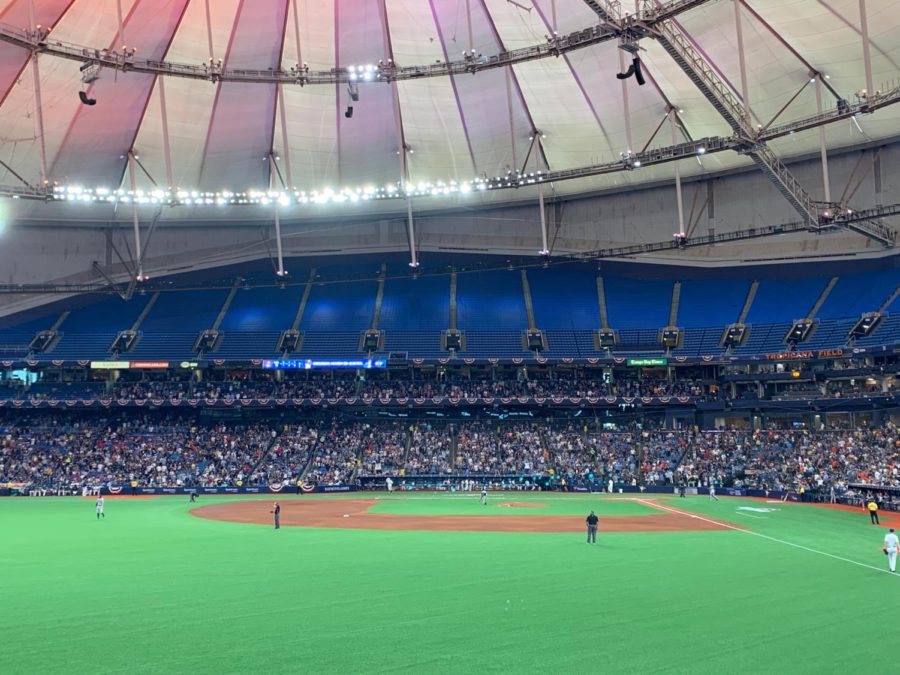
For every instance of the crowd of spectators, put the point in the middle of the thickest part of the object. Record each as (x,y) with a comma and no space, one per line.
(165,449)
(153,451)
(343,386)
(574,458)
(288,456)
(383,449)
(335,458)
(429,450)
(795,460)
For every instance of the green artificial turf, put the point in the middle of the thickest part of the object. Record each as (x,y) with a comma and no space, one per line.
(152,589)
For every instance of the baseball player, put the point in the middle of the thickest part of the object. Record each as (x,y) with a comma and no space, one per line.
(100,504)
(592,521)
(712,492)
(390,484)
(891,544)
(277,511)
(484,496)
(609,486)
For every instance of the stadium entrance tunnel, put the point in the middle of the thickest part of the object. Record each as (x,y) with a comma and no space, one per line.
(354,514)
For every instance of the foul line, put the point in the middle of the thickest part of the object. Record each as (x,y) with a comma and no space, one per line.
(764,536)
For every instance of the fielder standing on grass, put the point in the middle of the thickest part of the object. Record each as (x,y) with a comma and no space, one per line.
(100,504)
(712,492)
(891,544)
(592,521)
(484,496)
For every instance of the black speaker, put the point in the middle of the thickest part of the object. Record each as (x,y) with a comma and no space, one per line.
(734,335)
(670,337)
(289,342)
(349,112)
(628,73)
(535,340)
(866,324)
(606,338)
(84,98)
(371,340)
(41,341)
(799,331)
(206,341)
(638,74)
(124,341)
(454,342)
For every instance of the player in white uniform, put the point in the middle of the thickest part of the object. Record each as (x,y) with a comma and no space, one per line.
(100,503)
(712,492)
(484,496)
(891,544)
(390,484)
(609,486)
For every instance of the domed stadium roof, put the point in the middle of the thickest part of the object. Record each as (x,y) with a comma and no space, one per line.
(210,125)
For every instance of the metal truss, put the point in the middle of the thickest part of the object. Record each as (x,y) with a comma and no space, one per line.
(39,41)
(695,66)
(847,220)
(299,74)
(866,104)
(653,22)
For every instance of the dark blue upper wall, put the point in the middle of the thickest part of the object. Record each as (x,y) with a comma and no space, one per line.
(263,309)
(638,295)
(785,299)
(565,297)
(637,303)
(855,294)
(705,303)
(421,304)
(340,306)
(109,315)
(490,301)
(185,311)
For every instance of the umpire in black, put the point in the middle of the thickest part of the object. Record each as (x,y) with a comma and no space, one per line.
(592,521)
(277,511)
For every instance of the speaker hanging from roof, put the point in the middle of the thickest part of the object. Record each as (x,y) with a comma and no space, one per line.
(633,69)
(85,100)
(638,74)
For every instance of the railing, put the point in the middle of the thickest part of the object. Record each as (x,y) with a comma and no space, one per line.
(701,73)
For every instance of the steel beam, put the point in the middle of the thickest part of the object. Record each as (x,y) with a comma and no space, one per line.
(867,49)
(676,43)
(215,71)
(136,220)
(823,148)
(299,75)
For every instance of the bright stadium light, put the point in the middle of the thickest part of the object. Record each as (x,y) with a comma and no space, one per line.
(369,192)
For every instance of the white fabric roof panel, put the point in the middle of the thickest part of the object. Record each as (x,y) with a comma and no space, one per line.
(456,127)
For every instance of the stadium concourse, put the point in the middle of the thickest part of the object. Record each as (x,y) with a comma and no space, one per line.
(453,336)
